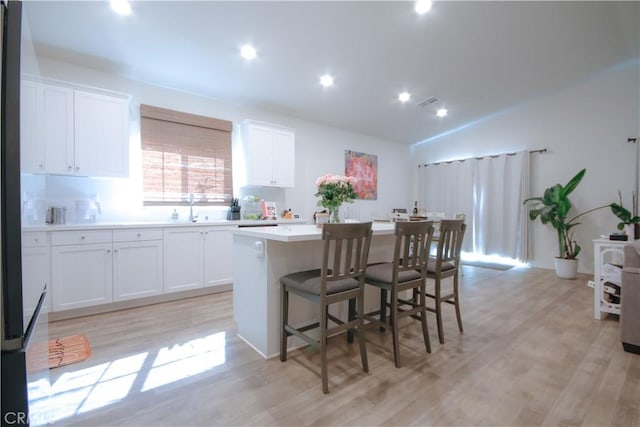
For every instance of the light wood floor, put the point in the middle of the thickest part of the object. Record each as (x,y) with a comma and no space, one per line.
(531,354)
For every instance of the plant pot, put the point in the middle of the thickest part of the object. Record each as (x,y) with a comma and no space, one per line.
(629,231)
(566,268)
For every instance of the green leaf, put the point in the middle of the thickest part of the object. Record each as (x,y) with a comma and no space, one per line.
(622,213)
(573,183)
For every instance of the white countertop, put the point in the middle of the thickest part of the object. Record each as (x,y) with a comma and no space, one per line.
(156,224)
(299,233)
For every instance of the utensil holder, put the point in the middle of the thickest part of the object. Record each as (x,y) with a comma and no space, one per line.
(233,214)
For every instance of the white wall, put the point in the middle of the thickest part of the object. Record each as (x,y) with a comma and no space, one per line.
(319,150)
(583,126)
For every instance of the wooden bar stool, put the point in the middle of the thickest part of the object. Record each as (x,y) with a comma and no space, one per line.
(407,272)
(341,278)
(445,265)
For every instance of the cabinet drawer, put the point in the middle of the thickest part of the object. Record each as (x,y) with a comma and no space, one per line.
(80,237)
(34,239)
(137,234)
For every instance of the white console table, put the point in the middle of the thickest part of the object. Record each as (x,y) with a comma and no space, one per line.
(605,251)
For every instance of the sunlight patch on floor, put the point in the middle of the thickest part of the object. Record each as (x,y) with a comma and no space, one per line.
(186,360)
(491,259)
(94,387)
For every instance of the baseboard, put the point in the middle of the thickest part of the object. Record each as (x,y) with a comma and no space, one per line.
(139,302)
(631,348)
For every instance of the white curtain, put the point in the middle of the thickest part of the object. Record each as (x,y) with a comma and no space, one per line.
(489,191)
(500,186)
(448,188)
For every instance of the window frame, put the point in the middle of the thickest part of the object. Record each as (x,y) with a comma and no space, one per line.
(152,119)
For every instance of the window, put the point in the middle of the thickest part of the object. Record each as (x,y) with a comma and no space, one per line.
(184,154)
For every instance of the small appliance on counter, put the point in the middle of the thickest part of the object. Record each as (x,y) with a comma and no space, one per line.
(56,215)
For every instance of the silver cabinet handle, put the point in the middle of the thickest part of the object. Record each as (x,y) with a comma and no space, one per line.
(108,251)
(70,167)
(41,165)
(82,237)
(77,168)
(139,235)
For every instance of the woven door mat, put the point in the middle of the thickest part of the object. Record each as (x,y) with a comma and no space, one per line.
(58,352)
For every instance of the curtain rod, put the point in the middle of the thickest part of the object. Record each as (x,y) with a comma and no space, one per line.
(493,156)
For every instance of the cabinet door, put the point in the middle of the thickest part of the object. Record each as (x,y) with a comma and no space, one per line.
(137,269)
(101,135)
(36,274)
(183,266)
(284,157)
(81,275)
(218,246)
(31,152)
(55,128)
(259,152)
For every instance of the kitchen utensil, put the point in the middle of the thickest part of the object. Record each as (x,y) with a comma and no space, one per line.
(56,215)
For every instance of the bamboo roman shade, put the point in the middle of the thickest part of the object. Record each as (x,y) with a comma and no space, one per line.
(182,154)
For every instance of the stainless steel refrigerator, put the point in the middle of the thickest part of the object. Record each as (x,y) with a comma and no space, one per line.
(18,327)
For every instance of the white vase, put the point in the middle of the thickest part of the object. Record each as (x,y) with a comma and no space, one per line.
(629,230)
(566,268)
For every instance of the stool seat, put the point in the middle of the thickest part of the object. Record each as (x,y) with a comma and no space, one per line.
(310,281)
(383,274)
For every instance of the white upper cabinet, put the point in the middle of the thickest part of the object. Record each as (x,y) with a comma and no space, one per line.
(101,134)
(68,131)
(269,154)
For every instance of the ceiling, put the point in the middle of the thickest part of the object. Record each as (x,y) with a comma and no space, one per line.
(477,58)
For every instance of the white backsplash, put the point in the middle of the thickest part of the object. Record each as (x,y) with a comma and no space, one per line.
(118,200)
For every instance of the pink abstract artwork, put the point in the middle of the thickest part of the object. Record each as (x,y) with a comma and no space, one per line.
(365,168)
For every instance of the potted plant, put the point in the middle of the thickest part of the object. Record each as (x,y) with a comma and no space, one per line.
(628,221)
(553,208)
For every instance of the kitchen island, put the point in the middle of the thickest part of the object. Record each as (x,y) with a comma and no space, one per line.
(261,255)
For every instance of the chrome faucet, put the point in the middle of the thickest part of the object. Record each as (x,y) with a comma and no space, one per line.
(192,217)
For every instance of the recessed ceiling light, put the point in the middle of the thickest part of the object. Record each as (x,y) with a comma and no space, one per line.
(121,7)
(441,112)
(248,52)
(326,80)
(404,96)
(422,6)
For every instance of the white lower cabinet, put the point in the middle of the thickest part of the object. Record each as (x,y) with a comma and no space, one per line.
(137,264)
(81,275)
(36,271)
(183,260)
(195,257)
(218,246)
(97,266)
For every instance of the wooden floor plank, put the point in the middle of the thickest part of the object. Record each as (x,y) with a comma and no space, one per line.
(531,354)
